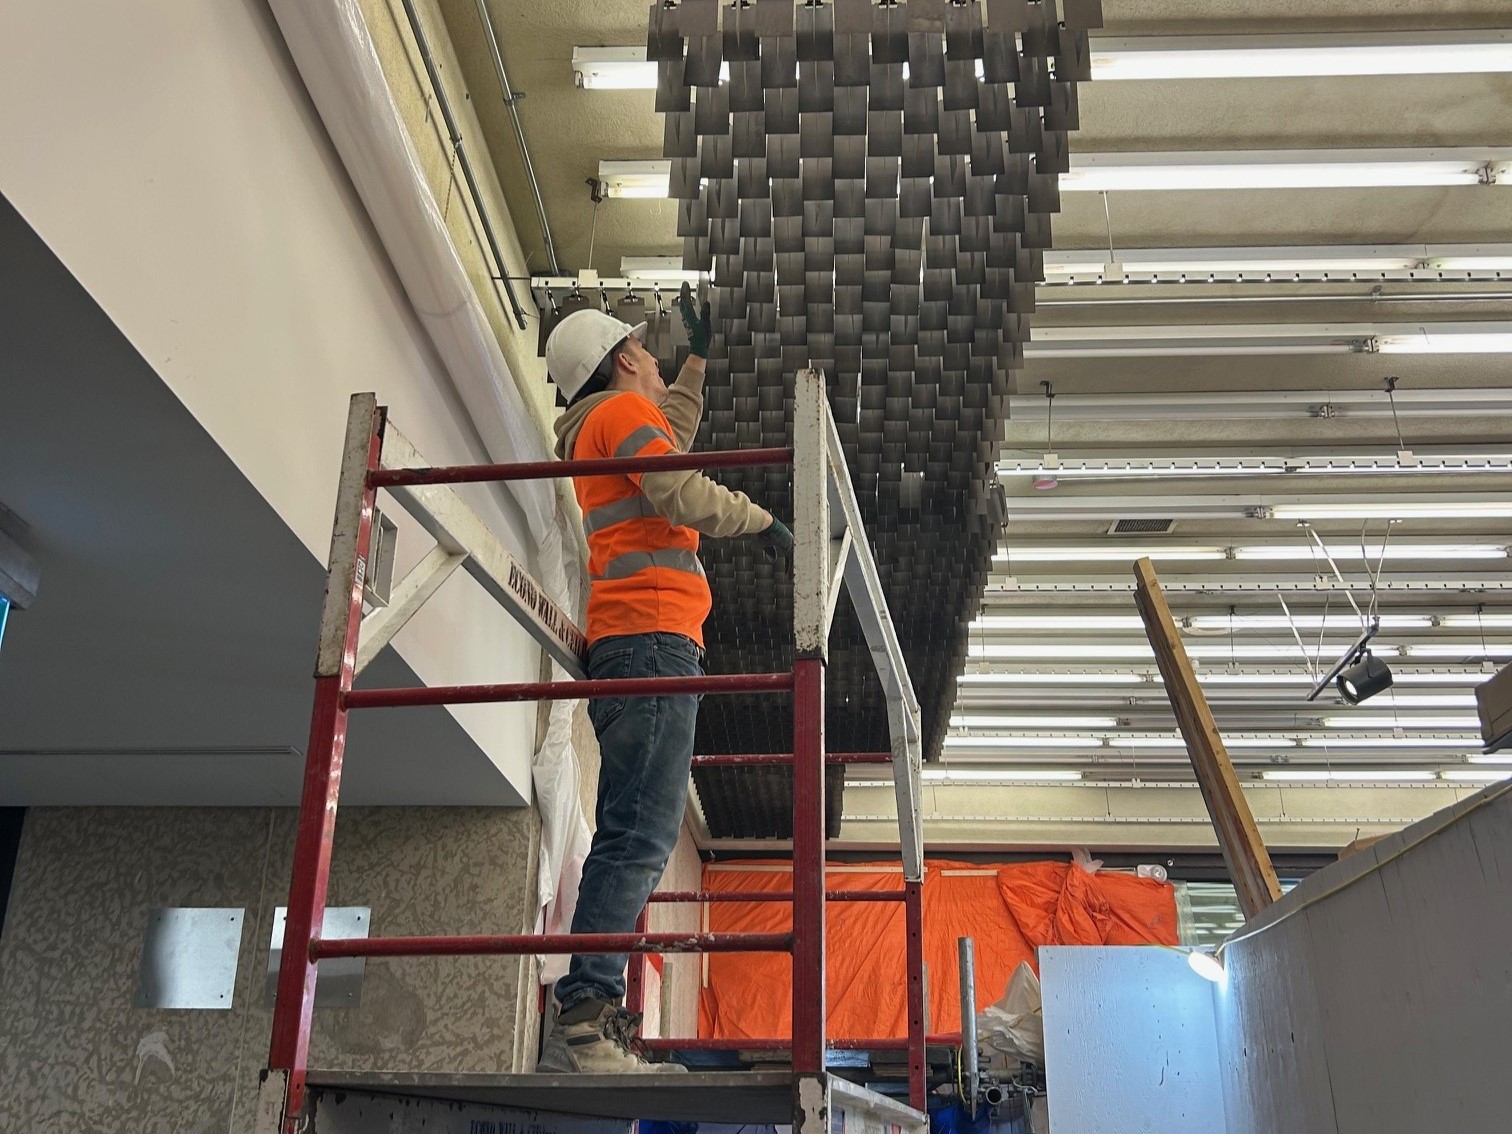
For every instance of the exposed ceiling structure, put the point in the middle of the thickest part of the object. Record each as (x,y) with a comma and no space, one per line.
(1255,235)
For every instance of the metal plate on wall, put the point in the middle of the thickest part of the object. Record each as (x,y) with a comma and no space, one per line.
(338,980)
(189,957)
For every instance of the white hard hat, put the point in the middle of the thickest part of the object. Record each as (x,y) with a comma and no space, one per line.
(580,342)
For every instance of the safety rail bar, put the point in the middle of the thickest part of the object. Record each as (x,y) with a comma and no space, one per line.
(597,466)
(777,1043)
(567,690)
(548,944)
(778,759)
(701,896)
(831,553)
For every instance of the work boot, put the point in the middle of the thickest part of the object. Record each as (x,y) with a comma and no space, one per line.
(595,1037)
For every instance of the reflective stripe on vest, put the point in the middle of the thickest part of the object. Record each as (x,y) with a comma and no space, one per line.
(674,558)
(617,512)
(638,440)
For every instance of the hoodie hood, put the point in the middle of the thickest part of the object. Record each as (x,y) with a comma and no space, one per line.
(571,421)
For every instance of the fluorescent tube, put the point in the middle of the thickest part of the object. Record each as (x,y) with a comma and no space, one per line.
(987,775)
(1279,169)
(1464,775)
(1387,510)
(1222,622)
(1451,743)
(1475,621)
(1019,742)
(1050,679)
(1339,775)
(1389,720)
(1308,551)
(1064,622)
(1459,650)
(1031,720)
(1471,343)
(1285,56)
(1104,554)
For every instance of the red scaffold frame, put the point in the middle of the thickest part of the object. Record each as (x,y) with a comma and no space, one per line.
(831,551)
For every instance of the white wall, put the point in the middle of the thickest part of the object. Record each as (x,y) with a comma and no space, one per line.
(1376,996)
(167,152)
(1130,1046)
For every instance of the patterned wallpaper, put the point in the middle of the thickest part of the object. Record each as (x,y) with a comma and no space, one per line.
(75,1055)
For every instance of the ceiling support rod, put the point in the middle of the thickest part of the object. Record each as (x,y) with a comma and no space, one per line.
(454,136)
(511,103)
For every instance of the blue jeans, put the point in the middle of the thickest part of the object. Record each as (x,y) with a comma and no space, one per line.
(646,754)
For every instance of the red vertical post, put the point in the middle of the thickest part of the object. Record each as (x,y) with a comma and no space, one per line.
(313,839)
(635,971)
(913,923)
(808,866)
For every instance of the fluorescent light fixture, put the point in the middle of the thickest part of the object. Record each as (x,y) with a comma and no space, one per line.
(1425,343)
(634,178)
(1100,651)
(1484,620)
(664,268)
(1286,56)
(1431,700)
(1464,775)
(1313,262)
(1229,169)
(1491,758)
(619,69)
(989,775)
(1438,677)
(1474,649)
(1339,775)
(1174,740)
(1103,554)
(1062,622)
(1125,468)
(1031,720)
(1448,509)
(1455,744)
(1140,651)
(1019,742)
(1050,679)
(1283,169)
(1189,57)
(1371,551)
(613,69)
(1254,679)
(1391,720)
(1219,623)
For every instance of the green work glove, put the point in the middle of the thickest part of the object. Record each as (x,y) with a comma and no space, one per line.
(777,538)
(698,325)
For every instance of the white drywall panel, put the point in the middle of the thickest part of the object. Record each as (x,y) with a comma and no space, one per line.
(1376,998)
(168,154)
(1129,1042)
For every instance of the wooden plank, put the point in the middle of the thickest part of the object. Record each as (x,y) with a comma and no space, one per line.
(1248,861)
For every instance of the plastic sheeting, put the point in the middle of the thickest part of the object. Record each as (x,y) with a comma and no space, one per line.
(339,64)
(1009,909)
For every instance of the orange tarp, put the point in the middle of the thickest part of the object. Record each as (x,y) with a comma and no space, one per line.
(1009,909)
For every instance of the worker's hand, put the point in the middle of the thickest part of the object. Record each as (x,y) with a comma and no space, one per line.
(698,325)
(778,539)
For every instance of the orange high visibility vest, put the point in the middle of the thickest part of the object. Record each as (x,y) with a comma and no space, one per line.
(643,571)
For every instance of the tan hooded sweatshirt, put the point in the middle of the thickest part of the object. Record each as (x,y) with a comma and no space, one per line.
(687,498)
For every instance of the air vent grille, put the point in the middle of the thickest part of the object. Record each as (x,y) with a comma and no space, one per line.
(1141,527)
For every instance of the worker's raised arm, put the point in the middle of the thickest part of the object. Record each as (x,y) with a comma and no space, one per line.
(684,404)
(685,399)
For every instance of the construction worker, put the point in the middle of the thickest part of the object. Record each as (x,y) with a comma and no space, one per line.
(647,603)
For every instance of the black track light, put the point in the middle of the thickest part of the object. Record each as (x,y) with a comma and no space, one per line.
(1363,678)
